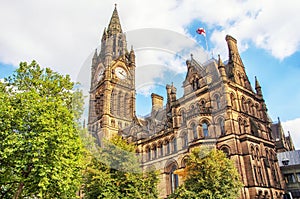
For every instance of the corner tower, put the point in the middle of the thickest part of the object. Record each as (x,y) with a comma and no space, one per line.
(112,91)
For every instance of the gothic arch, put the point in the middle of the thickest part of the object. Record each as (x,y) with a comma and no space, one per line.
(249,104)
(182,112)
(243,104)
(171,178)
(226,149)
(204,124)
(194,127)
(168,163)
(184,161)
(217,101)
(184,139)
(221,125)
(233,100)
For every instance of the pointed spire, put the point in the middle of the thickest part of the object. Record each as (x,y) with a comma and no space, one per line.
(104,36)
(114,26)
(258,87)
(95,58)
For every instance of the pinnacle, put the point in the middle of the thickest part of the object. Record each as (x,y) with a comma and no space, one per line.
(114,26)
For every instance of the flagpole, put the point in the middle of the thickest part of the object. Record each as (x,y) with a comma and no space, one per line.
(206,47)
(201,31)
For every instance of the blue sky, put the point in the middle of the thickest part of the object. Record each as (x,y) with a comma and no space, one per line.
(63,34)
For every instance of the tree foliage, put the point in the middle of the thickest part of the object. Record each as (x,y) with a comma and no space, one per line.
(40,149)
(115,173)
(209,175)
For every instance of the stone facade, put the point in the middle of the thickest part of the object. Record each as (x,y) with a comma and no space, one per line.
(219,108)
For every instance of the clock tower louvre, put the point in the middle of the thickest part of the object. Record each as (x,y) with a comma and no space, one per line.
(112,91)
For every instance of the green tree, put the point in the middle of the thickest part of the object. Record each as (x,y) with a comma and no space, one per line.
(115,173)
(209,174)
(40,149)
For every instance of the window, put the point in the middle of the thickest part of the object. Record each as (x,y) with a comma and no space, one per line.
(148,151)
(243,104)
(253,153)
(218,102)
(173,179)
(174,145)
(154,152)
(289,178)
(232,101)
(161,150)
(205,129)
(183,117)
(195,133)
(255,173)
(226,150)
(185,140)
(261,179)
(298,176)
(222,126)
(168,147)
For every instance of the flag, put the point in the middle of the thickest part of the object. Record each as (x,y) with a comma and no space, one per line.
(201,31)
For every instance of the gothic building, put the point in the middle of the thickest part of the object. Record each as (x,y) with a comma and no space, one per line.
(218,108)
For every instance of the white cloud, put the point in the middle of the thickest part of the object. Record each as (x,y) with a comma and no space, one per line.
(293,126)
(62,33)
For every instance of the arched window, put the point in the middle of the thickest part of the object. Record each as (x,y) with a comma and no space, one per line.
(120,100)
(168,147)
(222,126)
(202,106)
(148,152)
(184,140)
(183,117)
(174,143)
(233,106)
(161,150)
(205,129)
(249,104)
(173,179)
(218,103)
(194,128)
(154,152)
(240,121)
(243,104)
(245,126)
(226,150)
(257,153)
(253,154)
(112,103)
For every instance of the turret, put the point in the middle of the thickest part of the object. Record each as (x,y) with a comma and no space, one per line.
(221,68)
(236,70)
(132,57)
(258,88)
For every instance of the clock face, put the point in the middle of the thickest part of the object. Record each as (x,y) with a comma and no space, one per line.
(121,73)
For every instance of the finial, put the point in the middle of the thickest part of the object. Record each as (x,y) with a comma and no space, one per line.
(278,119)
(191,56)
(115,5)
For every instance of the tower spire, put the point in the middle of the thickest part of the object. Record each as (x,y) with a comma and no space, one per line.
(114,26)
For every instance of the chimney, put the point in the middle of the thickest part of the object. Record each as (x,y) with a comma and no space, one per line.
(157,101)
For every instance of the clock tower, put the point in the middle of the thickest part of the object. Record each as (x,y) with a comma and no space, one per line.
(112,91)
